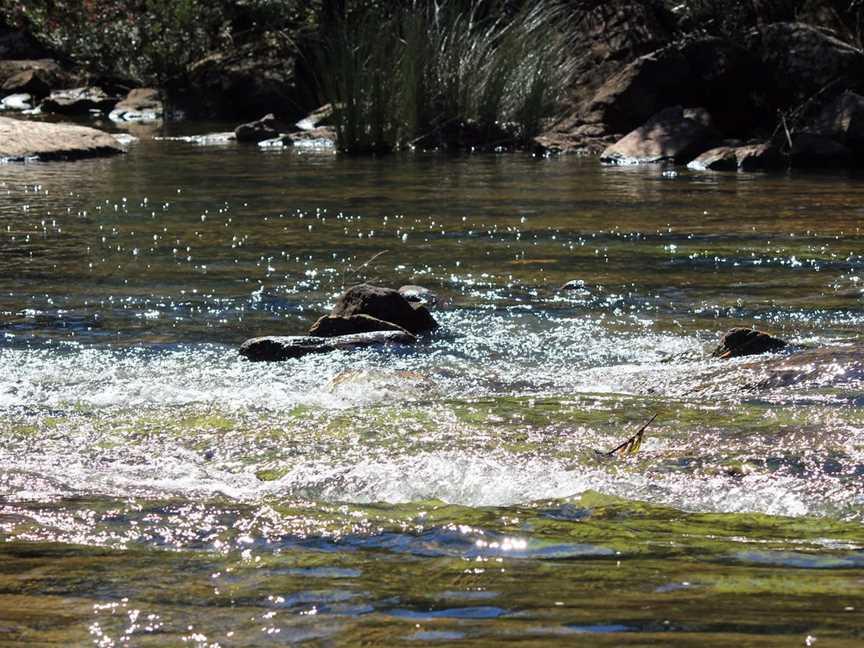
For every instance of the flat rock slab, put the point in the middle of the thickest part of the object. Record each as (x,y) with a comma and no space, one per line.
(21,139)
(276,348)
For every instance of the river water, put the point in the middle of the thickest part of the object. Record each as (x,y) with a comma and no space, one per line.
(158,490)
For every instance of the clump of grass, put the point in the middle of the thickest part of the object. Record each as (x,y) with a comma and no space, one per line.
(450,74)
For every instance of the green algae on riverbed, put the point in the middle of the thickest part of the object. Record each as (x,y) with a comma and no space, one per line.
(156,487)
(534,574)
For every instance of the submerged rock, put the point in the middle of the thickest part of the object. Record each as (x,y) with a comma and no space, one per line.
(384,304)
(276,348)
(20,140)
(672,135)
(743,342)
(332,326)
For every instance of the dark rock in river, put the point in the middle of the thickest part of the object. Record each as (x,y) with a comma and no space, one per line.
(275,348)
(141,104)
(672,135)
(419,295)
(25,139)
(384,304)
(266,128)
(743,342)
(332,326)
(78,101)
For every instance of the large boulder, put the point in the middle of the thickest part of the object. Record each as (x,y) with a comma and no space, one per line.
(141,104)
(723,77)
(276,348)
(78,101)
(20,140)
(744,341)
(803,60)
(384,304)
(672,135)
(610,34)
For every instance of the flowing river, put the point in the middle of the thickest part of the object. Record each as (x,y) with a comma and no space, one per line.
(158,490)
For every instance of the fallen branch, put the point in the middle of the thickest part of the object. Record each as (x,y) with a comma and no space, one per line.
(630,446)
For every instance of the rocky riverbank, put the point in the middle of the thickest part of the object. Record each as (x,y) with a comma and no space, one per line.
(643,87)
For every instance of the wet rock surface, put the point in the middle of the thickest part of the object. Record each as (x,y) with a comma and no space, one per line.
(672,135)
(331,326)
(744,342)
(20,140)
(277,348)
(384,304)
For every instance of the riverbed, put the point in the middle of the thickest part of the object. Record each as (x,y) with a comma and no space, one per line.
(158,490)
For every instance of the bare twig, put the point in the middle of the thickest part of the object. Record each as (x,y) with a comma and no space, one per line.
(370,260)
(630,446)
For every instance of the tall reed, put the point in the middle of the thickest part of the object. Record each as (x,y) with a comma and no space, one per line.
(447,74)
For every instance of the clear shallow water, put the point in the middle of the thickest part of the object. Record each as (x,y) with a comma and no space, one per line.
(156,489)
